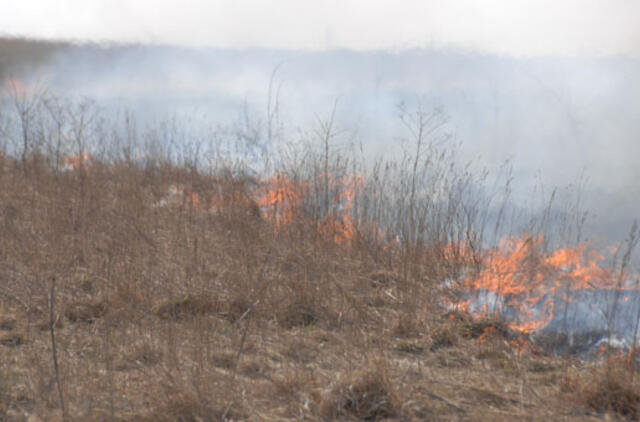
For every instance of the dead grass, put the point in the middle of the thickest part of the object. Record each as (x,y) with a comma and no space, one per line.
(414,348)
(85,312)
(187,408)
(189,307)
(298,315)
(300,351)
(13,339)
(143,354)
(382,278)
(407,325)
(167,313)
(8,323)
(224,360)
(482,328)
(443,336)
(611,391)
(362,395)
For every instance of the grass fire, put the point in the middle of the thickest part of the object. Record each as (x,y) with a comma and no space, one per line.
(150,273)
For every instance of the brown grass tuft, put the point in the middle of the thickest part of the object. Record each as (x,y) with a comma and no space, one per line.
(410,348)
(382,278)
(293,383)
(12,339)
(85,312)
(253,369)
(8,323)
(612,392)
(298,315)
(187,408)
(190,306)
(366,396)
(300,351)
(143,354)
(43,325)
(443,336)
(407,326)
(237,308)
(224,360)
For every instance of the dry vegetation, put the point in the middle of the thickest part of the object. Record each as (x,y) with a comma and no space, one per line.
(174,312)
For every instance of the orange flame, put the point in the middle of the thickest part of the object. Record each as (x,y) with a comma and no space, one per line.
(339,222)
(527,280)
(75,162)
(280,198)
(282,203)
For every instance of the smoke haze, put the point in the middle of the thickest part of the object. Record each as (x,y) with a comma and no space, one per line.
(555,118)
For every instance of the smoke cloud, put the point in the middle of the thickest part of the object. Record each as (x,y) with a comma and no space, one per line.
(555,118)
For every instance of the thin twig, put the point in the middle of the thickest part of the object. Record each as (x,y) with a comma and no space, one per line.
(54,351)
(248,314)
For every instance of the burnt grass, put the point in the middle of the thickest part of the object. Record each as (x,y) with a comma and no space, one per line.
(166,313)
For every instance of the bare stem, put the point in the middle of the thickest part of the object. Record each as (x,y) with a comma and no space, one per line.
(54,352)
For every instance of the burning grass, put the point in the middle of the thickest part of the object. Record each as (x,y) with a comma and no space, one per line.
(189,296)
(521,280)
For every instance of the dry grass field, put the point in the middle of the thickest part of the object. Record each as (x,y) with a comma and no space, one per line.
(171,313)
(137,287)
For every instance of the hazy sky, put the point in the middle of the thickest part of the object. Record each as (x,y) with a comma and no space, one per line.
(513,27)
